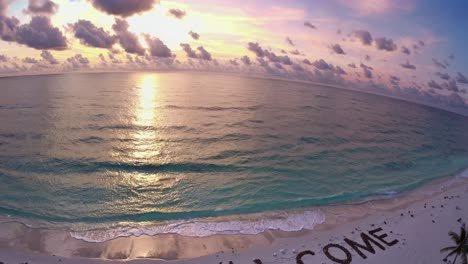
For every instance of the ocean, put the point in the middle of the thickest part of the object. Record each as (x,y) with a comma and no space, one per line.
(103,155)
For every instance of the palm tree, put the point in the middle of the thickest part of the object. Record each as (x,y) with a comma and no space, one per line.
(461,246)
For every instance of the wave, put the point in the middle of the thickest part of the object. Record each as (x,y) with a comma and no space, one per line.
(246,224)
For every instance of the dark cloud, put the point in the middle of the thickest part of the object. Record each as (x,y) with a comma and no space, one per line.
(322,65)
(421,43)
(246,60)
(194,35)
(204,55)
(405,50)
(262,62)
(367,71)
(3,58)
(157,48)
(407,65)
(306,61)
(41,7)
(309,25)
(339,71)
(41,34)
(47,56)
(394,80)
(8,26)
(128,41)
(364,36)
(352,65)
(123,8)
(92,36)
(177,13)
(289,41)
(451,56)
(443,76)
(255,48)
(234,62)
(77,62)
(385,44)
(439,64)
(295,52)
(461,78)
(434,84)
(30,60)
(336,48)
(189,51)
(451,86)
(103,59)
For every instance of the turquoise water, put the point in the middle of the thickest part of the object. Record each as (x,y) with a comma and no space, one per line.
(105,149)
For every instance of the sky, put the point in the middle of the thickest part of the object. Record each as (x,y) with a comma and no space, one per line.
(410,49)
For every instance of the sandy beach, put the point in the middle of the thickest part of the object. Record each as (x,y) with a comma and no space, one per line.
(409,228)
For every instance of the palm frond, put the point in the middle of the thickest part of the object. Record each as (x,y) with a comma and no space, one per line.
(447,249)
(455,237)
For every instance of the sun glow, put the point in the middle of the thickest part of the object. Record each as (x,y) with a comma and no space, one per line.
(157,23)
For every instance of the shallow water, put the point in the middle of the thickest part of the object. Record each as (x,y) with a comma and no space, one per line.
(125,149)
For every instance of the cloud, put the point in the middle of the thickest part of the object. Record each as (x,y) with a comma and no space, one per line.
(322,65)
(339,70)
(443,76)
(77,62)
(124,8)
(194,35)
(439,64)
(189,51)
(352,65)
(92,36)
(157,48)
(405,50)
(407,65)
(337,49)
(255,48)
(295,52)
(364,36)
(177,13)
(367,71)
(451,86)
(394,80)
(234,62)
(461,78)
(246,60)
(47,56)
(8,26)
(306,61)
(385,44)
(289,41)
(29,60)
(102,58)
(451,56)
(380,7)
(40,34)
(41,7)
(203,54)
(128,41)
(3,58)
(309,25)
(434,84)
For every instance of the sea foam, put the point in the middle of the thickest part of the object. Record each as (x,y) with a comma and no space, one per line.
(202,228)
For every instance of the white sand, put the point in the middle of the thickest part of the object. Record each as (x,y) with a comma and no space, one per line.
(428,215)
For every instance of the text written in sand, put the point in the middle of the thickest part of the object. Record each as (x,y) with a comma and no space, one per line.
(342,253)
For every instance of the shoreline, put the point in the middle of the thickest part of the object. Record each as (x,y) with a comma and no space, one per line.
(19,242)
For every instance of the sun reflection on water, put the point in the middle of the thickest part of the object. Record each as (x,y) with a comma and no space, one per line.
(145,136)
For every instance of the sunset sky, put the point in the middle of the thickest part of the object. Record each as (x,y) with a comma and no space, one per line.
(404,48)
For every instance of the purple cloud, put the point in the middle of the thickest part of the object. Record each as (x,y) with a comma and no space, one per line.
(123,8)
(157,48)
(289,41)
(407,65)
(434,84)
(29,60)
(255,48)
(128,41)
(177,13)
(194,35)
(309,25)
(41,34)
(364,36)
(41,7)
(385,44)
(336,48)
(246,60)
(47,56)
(439,64)
(461,78)
(92,36)
(405,50)
(443,76)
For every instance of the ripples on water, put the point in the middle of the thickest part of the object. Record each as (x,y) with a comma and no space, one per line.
(136,147)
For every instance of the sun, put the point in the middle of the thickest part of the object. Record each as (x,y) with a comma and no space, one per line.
(157,23)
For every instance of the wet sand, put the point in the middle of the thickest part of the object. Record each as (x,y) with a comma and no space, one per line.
(409,228)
